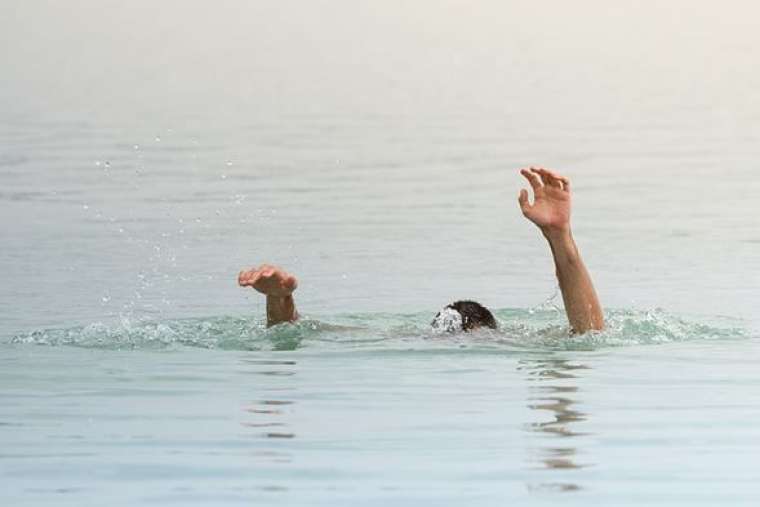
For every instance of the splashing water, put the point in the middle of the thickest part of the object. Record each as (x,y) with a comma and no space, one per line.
(519,329)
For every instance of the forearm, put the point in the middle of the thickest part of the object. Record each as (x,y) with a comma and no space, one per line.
(581,302)
(280,309)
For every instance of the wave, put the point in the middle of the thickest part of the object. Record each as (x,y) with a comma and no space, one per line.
(519,329)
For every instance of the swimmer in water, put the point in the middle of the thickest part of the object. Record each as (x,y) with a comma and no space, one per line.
(550,211)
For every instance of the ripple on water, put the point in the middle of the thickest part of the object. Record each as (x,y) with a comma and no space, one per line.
(519,330)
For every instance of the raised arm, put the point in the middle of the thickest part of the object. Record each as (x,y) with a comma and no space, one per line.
(278,286)
(550,211)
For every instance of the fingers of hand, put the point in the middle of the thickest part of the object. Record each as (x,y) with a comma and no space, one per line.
(546,177)
(560,180)
(244,276)
(533,179)
(552,178)
(248,278)
(290,283)
(267,279)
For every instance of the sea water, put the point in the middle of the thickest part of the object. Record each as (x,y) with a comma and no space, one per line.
(655,410)
(148,153)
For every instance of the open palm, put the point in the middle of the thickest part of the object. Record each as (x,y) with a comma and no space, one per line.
(551,205)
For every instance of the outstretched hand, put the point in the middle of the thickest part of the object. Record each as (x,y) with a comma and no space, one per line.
(550,210)
(269,280)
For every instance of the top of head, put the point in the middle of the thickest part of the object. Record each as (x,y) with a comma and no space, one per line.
(463,316)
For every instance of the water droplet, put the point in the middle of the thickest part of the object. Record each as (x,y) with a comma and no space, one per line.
(229,163)
(105,299)
(97,163)
(108,164)
(224,176)
(121,230)
(136,147)
(85,207)
(158,139)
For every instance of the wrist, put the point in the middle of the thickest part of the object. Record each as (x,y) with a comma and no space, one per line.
(281,309)
(557,234)
(562,245)
(279,300)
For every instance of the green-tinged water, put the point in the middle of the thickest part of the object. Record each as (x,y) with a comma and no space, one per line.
(377,409)
(518,330)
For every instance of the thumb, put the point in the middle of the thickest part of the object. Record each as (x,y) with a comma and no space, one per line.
(523,200)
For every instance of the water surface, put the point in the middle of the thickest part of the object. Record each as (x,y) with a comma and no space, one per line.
(148,152)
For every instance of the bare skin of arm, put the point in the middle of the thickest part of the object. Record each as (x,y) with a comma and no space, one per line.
(278,286)
(550,211)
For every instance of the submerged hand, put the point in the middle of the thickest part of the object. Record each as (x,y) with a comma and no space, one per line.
(550,210)
(269,280)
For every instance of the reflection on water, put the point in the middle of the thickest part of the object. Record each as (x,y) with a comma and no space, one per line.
(553,390)
(268,414)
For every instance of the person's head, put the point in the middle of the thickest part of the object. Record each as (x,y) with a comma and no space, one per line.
(463,316)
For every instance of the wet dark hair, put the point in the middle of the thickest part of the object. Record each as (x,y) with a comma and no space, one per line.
(474,315)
